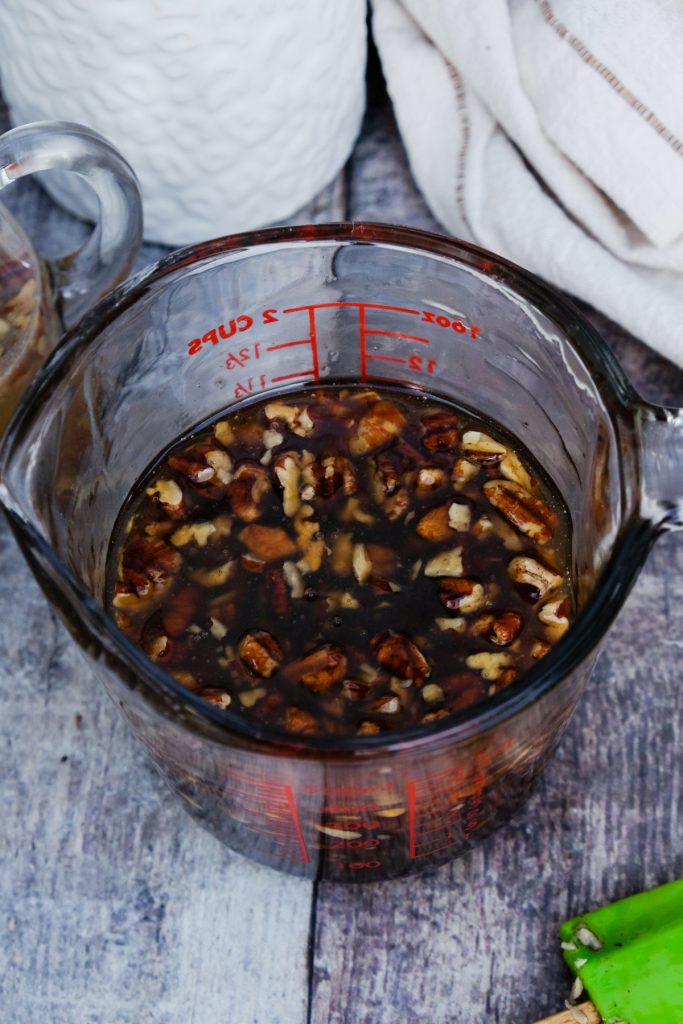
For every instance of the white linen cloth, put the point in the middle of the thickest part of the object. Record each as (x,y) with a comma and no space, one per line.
(551,131)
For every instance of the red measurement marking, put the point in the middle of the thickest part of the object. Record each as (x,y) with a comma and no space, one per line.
(399,334)
(411,820)
(387,359)
(363,348)
(291,376)
(314,341)
(297,824)
(359,305)
(288,344)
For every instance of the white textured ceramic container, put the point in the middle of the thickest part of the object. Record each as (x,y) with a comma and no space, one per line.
(234,113)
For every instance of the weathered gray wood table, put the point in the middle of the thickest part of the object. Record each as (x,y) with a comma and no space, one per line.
(115,908)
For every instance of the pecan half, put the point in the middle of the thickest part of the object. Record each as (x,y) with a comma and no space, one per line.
(440,431)
(528,514)
(260,652)
(380,424)
(267,542)
(319,670)
(400,655)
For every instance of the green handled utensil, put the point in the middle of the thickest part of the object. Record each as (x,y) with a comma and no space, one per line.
(629,959)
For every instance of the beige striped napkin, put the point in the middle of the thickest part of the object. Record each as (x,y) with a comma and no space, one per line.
(551,131)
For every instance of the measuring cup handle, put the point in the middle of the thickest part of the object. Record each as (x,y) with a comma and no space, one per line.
(661,433)
(107,255)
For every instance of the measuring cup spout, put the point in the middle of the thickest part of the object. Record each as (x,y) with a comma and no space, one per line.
(661,432)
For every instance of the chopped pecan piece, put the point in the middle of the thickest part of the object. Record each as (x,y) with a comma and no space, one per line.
(223,433)
(463,472)
(319,670)
(300,721)
(334,473)
(440,431)
(429,479)
(432,693)
(531,573)
(397,505)
(362,566)
(297,419)
(434,525)
(513,469)
(169,495)
(354,689)
(479,447)
(459,516)
(287,470)
(219,698)
(490,665)
(529,514)
(277,590)
(463,689)
(193,466)
(380,424)
(389,704)
(400,655)
(214,577)
(342,554)
(248,491)
(367,729)
(260,652)
(500,628)
(555,613)
(447,563)
(192,533)
(147,569)
(464,595)
(539,649)
(180,611)
(385,475)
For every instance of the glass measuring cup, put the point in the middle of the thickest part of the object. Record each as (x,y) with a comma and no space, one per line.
(37,297)
(215,324)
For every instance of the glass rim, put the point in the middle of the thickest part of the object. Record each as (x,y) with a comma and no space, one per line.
(576,645)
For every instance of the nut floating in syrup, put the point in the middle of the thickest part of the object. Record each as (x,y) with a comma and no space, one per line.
(344,562)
